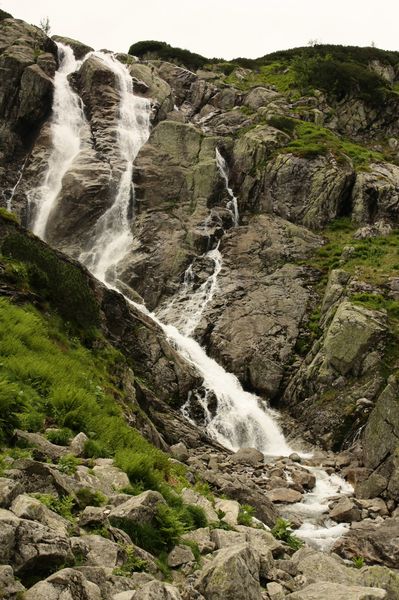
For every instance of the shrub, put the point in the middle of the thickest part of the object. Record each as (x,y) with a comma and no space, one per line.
(11,404)
(61,437)
(86,497)
(283,531)
(245,515)
(163,51)
(358,562)
(68,464)
(132,562)
(62,506)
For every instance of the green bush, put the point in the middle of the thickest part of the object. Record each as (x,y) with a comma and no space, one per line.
(62,506)
(245,515)
(6,214)
(86,497)
(132,563)
(283,123)
(61,437)
(68,464)
(162,50)
(11,404)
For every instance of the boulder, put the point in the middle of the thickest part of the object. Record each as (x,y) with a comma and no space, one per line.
(64,584)
(284,495)
(275,591)
(337,591)
(77,445)
(377,543)
(79,49)
(230,508)
(345,511)
(138,509)
(10,588)
(9,524)
(202,537)
(248,456)
(26,507)
(319,566)
(156,590)
(180,452)
(262,539)
(224,539)
(9,489)
(97,551)
(232,574)
(180,555)
(111,477)
(190,496)
(43,448)
(93,516)
(381,577)
(39,549)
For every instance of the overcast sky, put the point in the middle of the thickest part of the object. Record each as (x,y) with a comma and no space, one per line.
(221,28)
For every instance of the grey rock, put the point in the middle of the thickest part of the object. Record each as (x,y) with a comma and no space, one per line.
(9,489)
(77,445)
(155,590)
(180,452)
(284,495)
(232,574)
(202,537)
(10,588)
(139,509)
(230,508)
(65,584)
(26,507)
(190,496)
(345,511)
(180,555)
(337,591)
(248,456)
(224,539)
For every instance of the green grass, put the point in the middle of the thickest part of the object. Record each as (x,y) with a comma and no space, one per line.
(50,380)
(62,506)
(245,515)
(277,74)
(311,140)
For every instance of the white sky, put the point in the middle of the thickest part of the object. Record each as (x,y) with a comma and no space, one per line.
(221,28)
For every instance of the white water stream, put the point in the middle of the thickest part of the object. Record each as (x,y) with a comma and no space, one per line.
(232,204)
(241,418)
(66,123)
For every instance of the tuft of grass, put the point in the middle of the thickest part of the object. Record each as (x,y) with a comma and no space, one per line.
(61,437)
(132,563)
(358,562)
(62,506)
(88,497)
(68,464)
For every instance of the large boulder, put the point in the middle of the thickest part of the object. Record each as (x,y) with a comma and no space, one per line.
(375,194)
(9,489)
(381,445)
(319,566)
(65,584)
(337,591)
(232,574)
(156,590)
(10,588)
(377,543)
(139,509)
(26,507)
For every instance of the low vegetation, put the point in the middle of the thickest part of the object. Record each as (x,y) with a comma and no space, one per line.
(283,531)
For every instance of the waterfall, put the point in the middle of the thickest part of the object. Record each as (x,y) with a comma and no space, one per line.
(14,189)
(188,305)
(66,123)
(241,418)
(112,237)
(232,204)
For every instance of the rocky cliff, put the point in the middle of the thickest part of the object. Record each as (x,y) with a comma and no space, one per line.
(306,308)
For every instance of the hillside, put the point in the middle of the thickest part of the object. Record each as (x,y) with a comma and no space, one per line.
(199,320)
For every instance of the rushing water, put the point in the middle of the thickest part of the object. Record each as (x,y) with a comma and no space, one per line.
(240,418)
(112,237)
(66,123)
(232,204)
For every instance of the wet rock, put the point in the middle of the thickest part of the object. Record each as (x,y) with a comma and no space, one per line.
(345,511)
(284,495)
(180,555)
(67,583)
(305,479)
(233,573)
(248,456)
(79,49)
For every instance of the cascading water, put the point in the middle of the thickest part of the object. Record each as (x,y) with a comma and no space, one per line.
(14,189)
(66,124)
(232,205)
(240,419)
(112,237)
